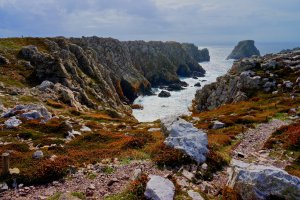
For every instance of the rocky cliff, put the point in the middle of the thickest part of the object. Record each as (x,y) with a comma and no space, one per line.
(201,55)
(162,63)
(273,73)
(244,49)
(96,73)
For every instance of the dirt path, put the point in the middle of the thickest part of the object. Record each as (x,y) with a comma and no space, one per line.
(90,180)
(250,149)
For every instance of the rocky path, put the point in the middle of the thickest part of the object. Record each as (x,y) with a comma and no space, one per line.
(250,149)
(91,181)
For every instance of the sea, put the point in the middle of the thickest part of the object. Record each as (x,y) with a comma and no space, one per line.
(180,102)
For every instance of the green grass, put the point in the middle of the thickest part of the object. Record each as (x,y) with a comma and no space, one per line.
(55,196)
(80,195)
(108,170)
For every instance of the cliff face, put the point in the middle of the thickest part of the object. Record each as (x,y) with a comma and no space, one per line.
(244,49)
(162,63)
(199,55)
(99,73)
(274,73)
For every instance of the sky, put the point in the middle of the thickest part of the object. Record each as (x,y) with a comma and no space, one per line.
(201,21)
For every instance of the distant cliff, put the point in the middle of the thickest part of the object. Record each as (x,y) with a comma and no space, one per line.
(99,73)
(244,49)
(199,55)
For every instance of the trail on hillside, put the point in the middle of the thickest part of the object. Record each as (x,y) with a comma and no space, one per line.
(250,149)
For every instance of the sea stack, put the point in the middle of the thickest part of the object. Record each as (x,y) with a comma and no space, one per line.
(244,49)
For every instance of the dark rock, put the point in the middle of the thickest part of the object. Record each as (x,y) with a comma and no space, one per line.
(197,84)
(3,60)
(195,77)
(175,87)
(244,49)
(164,94)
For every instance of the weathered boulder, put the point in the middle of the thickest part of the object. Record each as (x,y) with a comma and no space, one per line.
(184,136)
(159,188)
(244,49)
(46,85)
(260,182)
(175,87)
(164,94)
(12,122)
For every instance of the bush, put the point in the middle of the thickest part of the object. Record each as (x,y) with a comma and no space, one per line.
(164,155)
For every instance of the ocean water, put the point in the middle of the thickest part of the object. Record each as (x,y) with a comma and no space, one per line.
(180,101)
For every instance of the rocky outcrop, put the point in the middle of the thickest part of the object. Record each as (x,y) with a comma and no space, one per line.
(159,188)
(244,49)
(201,55)
(162,62)
(262,182)
(184,136)
(101,73)
(271,73)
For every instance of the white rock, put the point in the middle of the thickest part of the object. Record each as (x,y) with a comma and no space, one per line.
(195,195)
(33,114)
(261,182)
(218,125)
(184,136)
(12,122)
(85,129)
(159,188)
(136,174)
(190,176)
(153,129)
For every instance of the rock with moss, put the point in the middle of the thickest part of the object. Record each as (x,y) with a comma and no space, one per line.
(244,49)
(252,181)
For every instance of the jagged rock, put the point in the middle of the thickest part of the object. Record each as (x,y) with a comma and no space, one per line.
(38,155)
(184,136)
(12,122)
(195,195)
(190,176)
(252,181)
(244,49)
(164,94)
(218,125)
(3,60)
(175,87)
(159,188)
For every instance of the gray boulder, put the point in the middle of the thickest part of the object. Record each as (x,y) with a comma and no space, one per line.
(195,195)
(38,155)
(262,182)
(12,122)
(184,136)
(46,85)
(159,188)
(244,49)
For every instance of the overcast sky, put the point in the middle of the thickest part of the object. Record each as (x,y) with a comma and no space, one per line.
(207,21)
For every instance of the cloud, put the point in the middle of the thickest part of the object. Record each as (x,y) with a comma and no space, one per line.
(188,20)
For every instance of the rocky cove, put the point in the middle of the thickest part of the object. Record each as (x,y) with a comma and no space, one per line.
(67,126)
